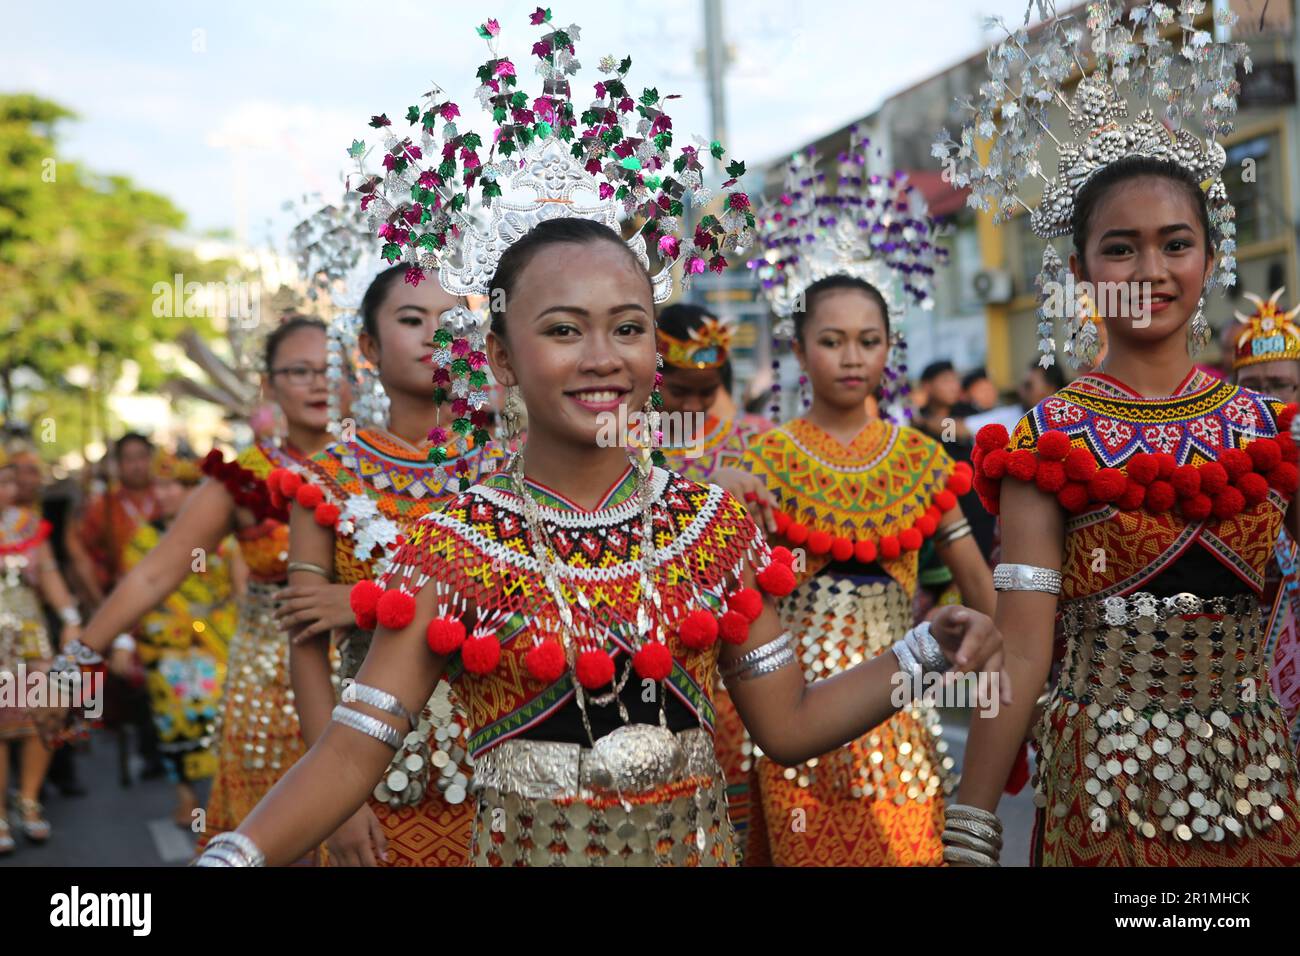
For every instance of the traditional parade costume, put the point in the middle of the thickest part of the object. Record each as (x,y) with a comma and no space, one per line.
(861,513)
(1162,743)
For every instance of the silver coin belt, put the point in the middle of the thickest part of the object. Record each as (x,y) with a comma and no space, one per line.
(1168,701)
(540,803)
(431,754)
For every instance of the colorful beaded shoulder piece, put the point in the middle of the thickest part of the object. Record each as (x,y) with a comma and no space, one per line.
(496,615)
(21,530)
(878,497)
(245,477)
(1210,451)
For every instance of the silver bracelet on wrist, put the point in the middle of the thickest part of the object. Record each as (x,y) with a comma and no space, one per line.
(124,642)
(379,699)
(70,615)
(923,645)
(764,659)
(954,532)
(957,854)
(1026,577)
(370,726)
(231,849)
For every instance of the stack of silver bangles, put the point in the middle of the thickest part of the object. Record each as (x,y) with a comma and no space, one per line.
(971,836)
(919,653)
(368,725)
(231,849)
(1026,577)
(954,532)
(763,659)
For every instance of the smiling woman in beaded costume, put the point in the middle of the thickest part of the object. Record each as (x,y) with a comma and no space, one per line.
(1145,497)
(258,736)
(858,496)
(580,604)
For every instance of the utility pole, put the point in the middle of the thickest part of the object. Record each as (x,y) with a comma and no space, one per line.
(715,61)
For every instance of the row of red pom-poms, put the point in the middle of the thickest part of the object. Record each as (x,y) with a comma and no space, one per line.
(286,486)
(244,486)
(1239,479)
(699,629)
(888,547)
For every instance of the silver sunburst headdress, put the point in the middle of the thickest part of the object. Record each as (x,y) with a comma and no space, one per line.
(870,227)
(1191,81)
(613,162)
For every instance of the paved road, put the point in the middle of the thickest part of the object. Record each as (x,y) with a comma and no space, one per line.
(110,825)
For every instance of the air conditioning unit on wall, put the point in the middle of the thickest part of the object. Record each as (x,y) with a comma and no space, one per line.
(992,286)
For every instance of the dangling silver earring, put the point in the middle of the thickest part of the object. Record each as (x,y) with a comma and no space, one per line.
(1198,330)
(512,416)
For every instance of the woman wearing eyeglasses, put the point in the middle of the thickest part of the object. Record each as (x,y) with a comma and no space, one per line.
(357,501)
(259,738)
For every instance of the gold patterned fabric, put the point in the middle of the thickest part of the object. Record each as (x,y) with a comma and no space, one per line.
(1163,726)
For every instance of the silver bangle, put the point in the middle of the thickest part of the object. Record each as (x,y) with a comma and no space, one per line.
(954,532)
(81,654)
(957,854)
(775,654)
(969,841)
(379,699)
(1026,577)
(124,642)
(926,649)
(370,726)
(907,662)
(231,849)
(70,615)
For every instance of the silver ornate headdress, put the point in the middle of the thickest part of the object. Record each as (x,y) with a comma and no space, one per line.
(1028,74)
(869,227)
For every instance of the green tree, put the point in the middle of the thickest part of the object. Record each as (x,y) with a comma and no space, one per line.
(79,256)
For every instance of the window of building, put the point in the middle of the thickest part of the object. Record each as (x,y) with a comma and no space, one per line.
(1253,178)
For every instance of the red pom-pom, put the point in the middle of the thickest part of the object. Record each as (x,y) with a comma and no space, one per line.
(910,539)
(367,621)
(1265,454)
(364,596)
(1107,484)
(1050,477)
(1284,478)
(782,521)
(782,555)
(290,482)
(444,635)
(326,514)
(1143,468)
(945,501)
(1286,417)
(748,602)
(989,492)
(890,547)
(1132,498)
(1167,464)
(992,436)
(994,464)
(1073,497)
(797,533)
(734,627)
(819,542)
(1053,446)
(1160,496)
(595,669)
(926,524)
(1079,464)
(776,579)
(1214,478)
(1186,481)
(1022,464)
(545,661)
(1253,487)
(959,480)
(1197,507)
(395,609)
(1228,503)
(841,549)
(699,629)
(864,551)
(1236,462)
(309,496)
(481,654)
(1286,444)
(653,661)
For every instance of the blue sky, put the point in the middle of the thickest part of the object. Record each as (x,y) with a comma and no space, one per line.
(258,107)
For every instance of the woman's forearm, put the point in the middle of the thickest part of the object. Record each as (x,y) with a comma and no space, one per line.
(318,794)
(313,689)
(971,574)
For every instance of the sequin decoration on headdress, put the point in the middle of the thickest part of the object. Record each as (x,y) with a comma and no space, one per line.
(1271,335)
(614,160)
(869,227)
(705,347)
(1028,72)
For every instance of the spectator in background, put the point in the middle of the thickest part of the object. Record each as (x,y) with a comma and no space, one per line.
(978,390)
(1037,384)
